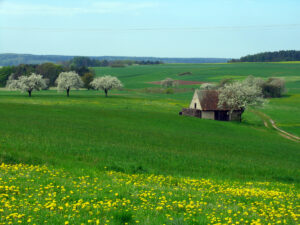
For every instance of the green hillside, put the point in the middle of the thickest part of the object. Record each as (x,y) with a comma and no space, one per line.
(138,76)
(131,159)
(285,111)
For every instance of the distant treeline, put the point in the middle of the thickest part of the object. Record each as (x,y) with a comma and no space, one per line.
(50,71)
(16,59)
(279,56)
(80,61)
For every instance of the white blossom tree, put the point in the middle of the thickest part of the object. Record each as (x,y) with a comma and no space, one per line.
(106,83)
(34,82)
(239,95)
(254,81)
(68,80)
(168,82)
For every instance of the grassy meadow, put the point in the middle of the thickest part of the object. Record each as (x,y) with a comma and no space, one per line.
(131,159)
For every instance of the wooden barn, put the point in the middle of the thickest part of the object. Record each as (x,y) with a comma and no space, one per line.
(205,105)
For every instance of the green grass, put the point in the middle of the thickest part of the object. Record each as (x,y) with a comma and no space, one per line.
(285,111)
(126,132)
(39,195)
(137,136)
(138,76)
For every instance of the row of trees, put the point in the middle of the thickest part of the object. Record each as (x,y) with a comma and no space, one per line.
(81,61)
(65,82)
(50,72)
(270,57)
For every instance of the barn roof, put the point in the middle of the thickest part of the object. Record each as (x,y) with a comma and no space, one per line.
(208,99)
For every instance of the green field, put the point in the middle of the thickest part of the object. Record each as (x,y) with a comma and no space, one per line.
(130,158)
(284,111)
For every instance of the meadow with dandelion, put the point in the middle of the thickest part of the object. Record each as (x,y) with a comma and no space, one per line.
(41,195)
(131,159)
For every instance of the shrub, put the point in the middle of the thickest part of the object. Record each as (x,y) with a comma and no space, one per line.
(169,91)
(185,73)
(273,88)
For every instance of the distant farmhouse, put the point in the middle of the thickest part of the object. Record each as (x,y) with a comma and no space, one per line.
(205,105)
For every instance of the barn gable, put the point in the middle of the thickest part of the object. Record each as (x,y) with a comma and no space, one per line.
(205,100)
(195,103)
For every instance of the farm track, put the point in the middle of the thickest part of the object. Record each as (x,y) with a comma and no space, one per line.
(270,123)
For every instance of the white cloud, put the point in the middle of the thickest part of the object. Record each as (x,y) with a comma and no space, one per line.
(95,7)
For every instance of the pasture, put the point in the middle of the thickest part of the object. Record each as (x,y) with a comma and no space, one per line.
(130,158)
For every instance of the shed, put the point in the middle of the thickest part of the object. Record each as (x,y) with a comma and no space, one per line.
(204,105)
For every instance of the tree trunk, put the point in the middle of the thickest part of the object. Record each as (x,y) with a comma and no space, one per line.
(68,92)
(105,92)
(29,93)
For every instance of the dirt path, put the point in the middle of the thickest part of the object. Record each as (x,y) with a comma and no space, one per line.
(269,123)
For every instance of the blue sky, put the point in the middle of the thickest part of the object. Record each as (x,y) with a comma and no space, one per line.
(165,28)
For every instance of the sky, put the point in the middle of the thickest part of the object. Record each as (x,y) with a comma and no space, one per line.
(165,28)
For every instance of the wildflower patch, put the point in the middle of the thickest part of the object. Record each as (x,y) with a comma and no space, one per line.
(37,195)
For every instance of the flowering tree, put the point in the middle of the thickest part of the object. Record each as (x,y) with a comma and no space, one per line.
(34,82)
(68,80)
(239,95)
(106,83)
(168,82)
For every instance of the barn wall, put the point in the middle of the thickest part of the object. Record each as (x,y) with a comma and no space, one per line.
(191,112)
(208,115)
(236,115)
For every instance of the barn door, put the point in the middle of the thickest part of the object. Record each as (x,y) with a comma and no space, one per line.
(221,115)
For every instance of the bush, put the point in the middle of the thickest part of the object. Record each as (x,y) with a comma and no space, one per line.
(273,88)
(169,91)
(185,73)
